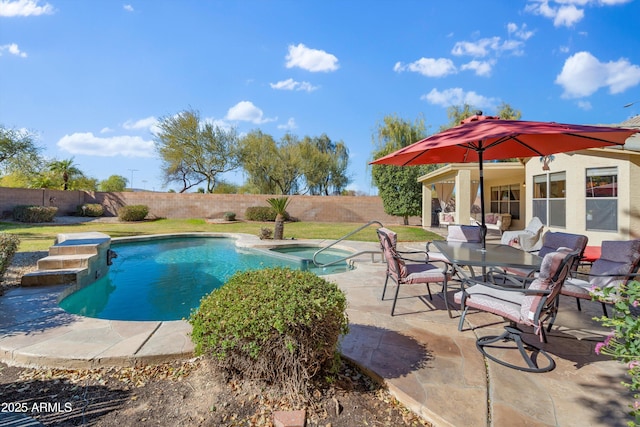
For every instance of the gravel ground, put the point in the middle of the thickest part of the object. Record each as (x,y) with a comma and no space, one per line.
(23,262)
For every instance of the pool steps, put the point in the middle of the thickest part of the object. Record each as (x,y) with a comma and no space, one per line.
(75,258)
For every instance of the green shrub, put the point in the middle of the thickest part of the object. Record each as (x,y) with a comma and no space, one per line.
(29,213)
(277,325)
(262,214)
(90,209)
(133,212)
(8,247)
(229,216)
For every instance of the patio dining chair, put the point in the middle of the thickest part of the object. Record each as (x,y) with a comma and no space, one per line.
(456,233)
(618,263)
(552,241)
(405,271)
(530,306)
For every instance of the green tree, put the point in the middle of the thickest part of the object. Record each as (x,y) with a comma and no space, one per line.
(258,152)
(115,183)
(506,112)
(66,170)
(272,168)
(279,205)
(292,166)
(324,164)
(17,147)
(398,186)
(457,113)
(83,183)
(194,151)
(225,187)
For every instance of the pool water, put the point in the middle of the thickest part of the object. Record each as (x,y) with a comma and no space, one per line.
(164,279)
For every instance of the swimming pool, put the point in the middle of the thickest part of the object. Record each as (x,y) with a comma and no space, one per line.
(327,256)
(164,278)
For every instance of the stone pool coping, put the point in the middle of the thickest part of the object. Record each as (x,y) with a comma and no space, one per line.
(36,332)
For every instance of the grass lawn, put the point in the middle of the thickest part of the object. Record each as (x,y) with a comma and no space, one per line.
(40,237)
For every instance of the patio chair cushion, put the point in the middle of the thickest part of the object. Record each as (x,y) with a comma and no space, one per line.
(534,226)
(551,241)
(391,253)
(529,239)
(464,233)
(516,306)
(618,259)
(549,267)
(392,235)
(576,288)
(419,273)
(496,301)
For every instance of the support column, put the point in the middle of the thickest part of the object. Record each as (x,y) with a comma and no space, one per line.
(427,195)
(463,197)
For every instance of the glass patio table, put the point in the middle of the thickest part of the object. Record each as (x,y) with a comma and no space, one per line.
(495,255)
(464,254)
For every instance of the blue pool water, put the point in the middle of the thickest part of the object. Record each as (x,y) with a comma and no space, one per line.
(164,279)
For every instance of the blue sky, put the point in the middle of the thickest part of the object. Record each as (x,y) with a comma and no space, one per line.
(91,78)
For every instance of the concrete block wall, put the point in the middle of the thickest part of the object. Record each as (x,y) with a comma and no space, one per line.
(357,209)
(66,201)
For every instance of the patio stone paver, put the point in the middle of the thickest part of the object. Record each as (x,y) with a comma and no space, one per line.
(424,360)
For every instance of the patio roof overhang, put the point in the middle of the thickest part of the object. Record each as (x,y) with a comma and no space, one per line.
(497,170)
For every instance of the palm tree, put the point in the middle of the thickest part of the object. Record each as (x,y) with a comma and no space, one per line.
(279,205)
(66,168)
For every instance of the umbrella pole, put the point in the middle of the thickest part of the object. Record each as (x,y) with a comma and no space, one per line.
(481,185)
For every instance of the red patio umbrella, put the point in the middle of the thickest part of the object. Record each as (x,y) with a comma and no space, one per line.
(481,138)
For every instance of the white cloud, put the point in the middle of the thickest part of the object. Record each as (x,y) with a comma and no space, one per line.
(106,130)
(568,16)
(430,67)
(13,49)
(313,60)
(520,32)
(89,144)
(486,46)
(479,48)
(583,74)
(566,12)
(128,8)
(150,123)
(481,68)
(291,84)
(290,125)
(456,96)
(24,8)
(246,111)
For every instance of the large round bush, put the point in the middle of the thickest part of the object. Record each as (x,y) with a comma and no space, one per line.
(278,325)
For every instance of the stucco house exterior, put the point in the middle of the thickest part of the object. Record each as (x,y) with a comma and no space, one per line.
(594,192)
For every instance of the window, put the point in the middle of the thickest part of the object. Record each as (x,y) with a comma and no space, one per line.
(506,199)
(549,199)
(601,191)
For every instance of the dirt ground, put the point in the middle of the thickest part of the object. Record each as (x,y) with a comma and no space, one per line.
(190,393)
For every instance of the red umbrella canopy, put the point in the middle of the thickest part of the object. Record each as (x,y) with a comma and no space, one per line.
(491,138)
